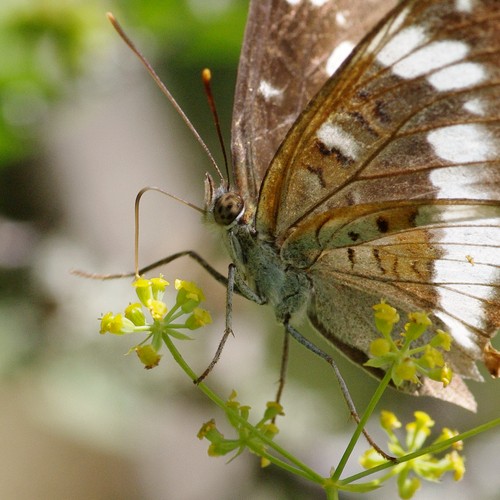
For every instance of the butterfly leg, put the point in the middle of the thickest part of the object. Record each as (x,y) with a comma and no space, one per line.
(283,368)
(234,284)
(228,330)
(193,255)
(166,260)
(284,365)
(343,386)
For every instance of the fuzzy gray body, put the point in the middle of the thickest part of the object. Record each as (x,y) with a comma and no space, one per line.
(260,267)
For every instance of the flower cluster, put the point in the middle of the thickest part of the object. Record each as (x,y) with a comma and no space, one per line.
(405,361)
(425,466)
(247,438)
(164,322)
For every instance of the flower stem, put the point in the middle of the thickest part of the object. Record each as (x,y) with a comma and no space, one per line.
(361,425)
(300,468)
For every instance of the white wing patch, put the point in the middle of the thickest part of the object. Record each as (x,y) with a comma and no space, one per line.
(463,143)
(461,181)
(475,106)
(401,45)
(340,19)
(458,76)
(464,5)
(268,91)
(431,57)
(338,55)
(335,137)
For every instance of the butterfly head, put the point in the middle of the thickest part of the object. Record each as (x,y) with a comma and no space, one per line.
(224,206)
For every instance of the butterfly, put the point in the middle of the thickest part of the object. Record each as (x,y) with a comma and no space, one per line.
(381,181)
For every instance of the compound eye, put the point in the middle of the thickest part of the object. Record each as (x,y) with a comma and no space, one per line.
(228,209)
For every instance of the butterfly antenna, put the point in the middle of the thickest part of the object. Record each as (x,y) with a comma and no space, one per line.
(163,88)
(206,76)
(137,272)
(136,218)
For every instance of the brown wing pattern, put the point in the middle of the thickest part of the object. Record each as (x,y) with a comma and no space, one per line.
(283,64)
(388,185)
(414,112)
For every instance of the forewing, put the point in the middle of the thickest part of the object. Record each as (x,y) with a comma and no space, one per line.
(286,58)
(413,114)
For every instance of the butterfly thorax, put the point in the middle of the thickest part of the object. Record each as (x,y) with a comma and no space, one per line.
(262,275)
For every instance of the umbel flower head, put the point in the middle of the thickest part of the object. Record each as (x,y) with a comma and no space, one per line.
(426,466)
(406,362)
(220,446)
(163,321)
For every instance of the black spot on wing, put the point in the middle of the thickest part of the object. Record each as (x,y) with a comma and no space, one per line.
(344,160)
(382,224)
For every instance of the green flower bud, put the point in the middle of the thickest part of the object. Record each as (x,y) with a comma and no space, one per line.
(431,357)
(380,347)
(134,313)
(408,487)
(407,370)
(442,340)
(143,290)
(419,322)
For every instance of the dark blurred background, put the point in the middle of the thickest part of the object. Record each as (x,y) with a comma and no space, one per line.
(82,129)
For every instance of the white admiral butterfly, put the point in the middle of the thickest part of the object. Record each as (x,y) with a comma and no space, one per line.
(386,185)
(382,181)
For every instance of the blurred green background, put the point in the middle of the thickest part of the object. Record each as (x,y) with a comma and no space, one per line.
(82,129)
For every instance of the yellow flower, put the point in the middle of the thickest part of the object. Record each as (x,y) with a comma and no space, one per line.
(442,340)
(420,318)
(458,464)
(198,318)
(446,375)
(148,355)
(447,433)
(116,324)
(159,283)
(157,308)
(389,421)
(426,466)
(189,295)
(407,370)
(206,428)
(385,317)
(432,357)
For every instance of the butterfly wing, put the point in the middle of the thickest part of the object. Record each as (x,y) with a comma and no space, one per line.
(388,184)
(286,58)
